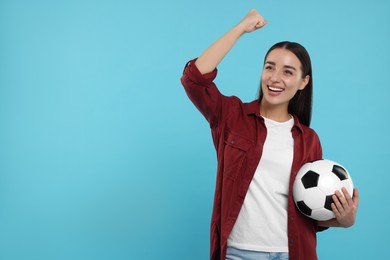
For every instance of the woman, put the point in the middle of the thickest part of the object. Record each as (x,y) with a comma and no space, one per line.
(260,148)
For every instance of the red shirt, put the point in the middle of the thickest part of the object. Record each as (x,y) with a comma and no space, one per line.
(239,134)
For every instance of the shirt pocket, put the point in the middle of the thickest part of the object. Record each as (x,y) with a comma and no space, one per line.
(235,154)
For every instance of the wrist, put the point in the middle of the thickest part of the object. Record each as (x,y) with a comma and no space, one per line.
(239,29)
(329,223)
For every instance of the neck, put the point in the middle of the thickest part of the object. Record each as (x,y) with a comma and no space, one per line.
(276,113)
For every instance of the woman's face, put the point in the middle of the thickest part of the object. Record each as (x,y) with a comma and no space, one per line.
(281,77)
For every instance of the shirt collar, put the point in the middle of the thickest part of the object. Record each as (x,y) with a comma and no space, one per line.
(253,108)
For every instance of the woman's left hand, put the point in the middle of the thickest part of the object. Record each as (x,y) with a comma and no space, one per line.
(345,207)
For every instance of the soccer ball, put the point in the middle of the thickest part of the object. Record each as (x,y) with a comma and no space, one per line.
(314,186)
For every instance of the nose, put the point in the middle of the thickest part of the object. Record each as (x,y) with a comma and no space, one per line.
(275,76)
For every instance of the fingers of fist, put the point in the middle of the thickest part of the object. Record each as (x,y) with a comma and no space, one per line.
(254,21)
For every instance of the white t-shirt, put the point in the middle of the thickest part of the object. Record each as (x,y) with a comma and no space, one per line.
(262,222)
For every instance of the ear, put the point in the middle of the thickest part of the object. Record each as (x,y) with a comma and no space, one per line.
(304,83)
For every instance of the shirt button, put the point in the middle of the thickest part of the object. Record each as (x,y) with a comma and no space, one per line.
(292,241)
(232,142)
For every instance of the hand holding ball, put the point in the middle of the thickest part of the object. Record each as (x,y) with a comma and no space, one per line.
(314,186)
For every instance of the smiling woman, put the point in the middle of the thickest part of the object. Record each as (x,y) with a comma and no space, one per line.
(260,147)
(287,68)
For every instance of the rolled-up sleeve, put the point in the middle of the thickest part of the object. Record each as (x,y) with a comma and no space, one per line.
(202,91)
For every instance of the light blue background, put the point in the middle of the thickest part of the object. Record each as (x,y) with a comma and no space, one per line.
(102,155)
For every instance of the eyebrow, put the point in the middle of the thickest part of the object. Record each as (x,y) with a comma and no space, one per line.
(285,66)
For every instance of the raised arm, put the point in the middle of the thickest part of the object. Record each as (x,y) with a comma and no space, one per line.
(213,55)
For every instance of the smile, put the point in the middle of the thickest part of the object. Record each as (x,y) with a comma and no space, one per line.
(275,89)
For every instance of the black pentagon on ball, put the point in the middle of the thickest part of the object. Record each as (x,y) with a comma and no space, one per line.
(328,202)
(304,208)
(310,179)
(340,172)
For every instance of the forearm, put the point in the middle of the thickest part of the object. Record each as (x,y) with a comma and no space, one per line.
(329,223)
(213,55)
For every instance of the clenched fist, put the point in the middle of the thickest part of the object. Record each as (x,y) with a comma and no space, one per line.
(252,21)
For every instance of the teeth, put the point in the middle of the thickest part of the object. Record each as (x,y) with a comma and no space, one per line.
(276,89)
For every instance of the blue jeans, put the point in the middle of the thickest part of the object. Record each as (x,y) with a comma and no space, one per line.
(239,254)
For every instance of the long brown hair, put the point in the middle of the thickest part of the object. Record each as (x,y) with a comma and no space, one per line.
(301,104)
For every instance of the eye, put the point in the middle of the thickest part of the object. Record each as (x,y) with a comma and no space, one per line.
(268,67)
(288,72)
